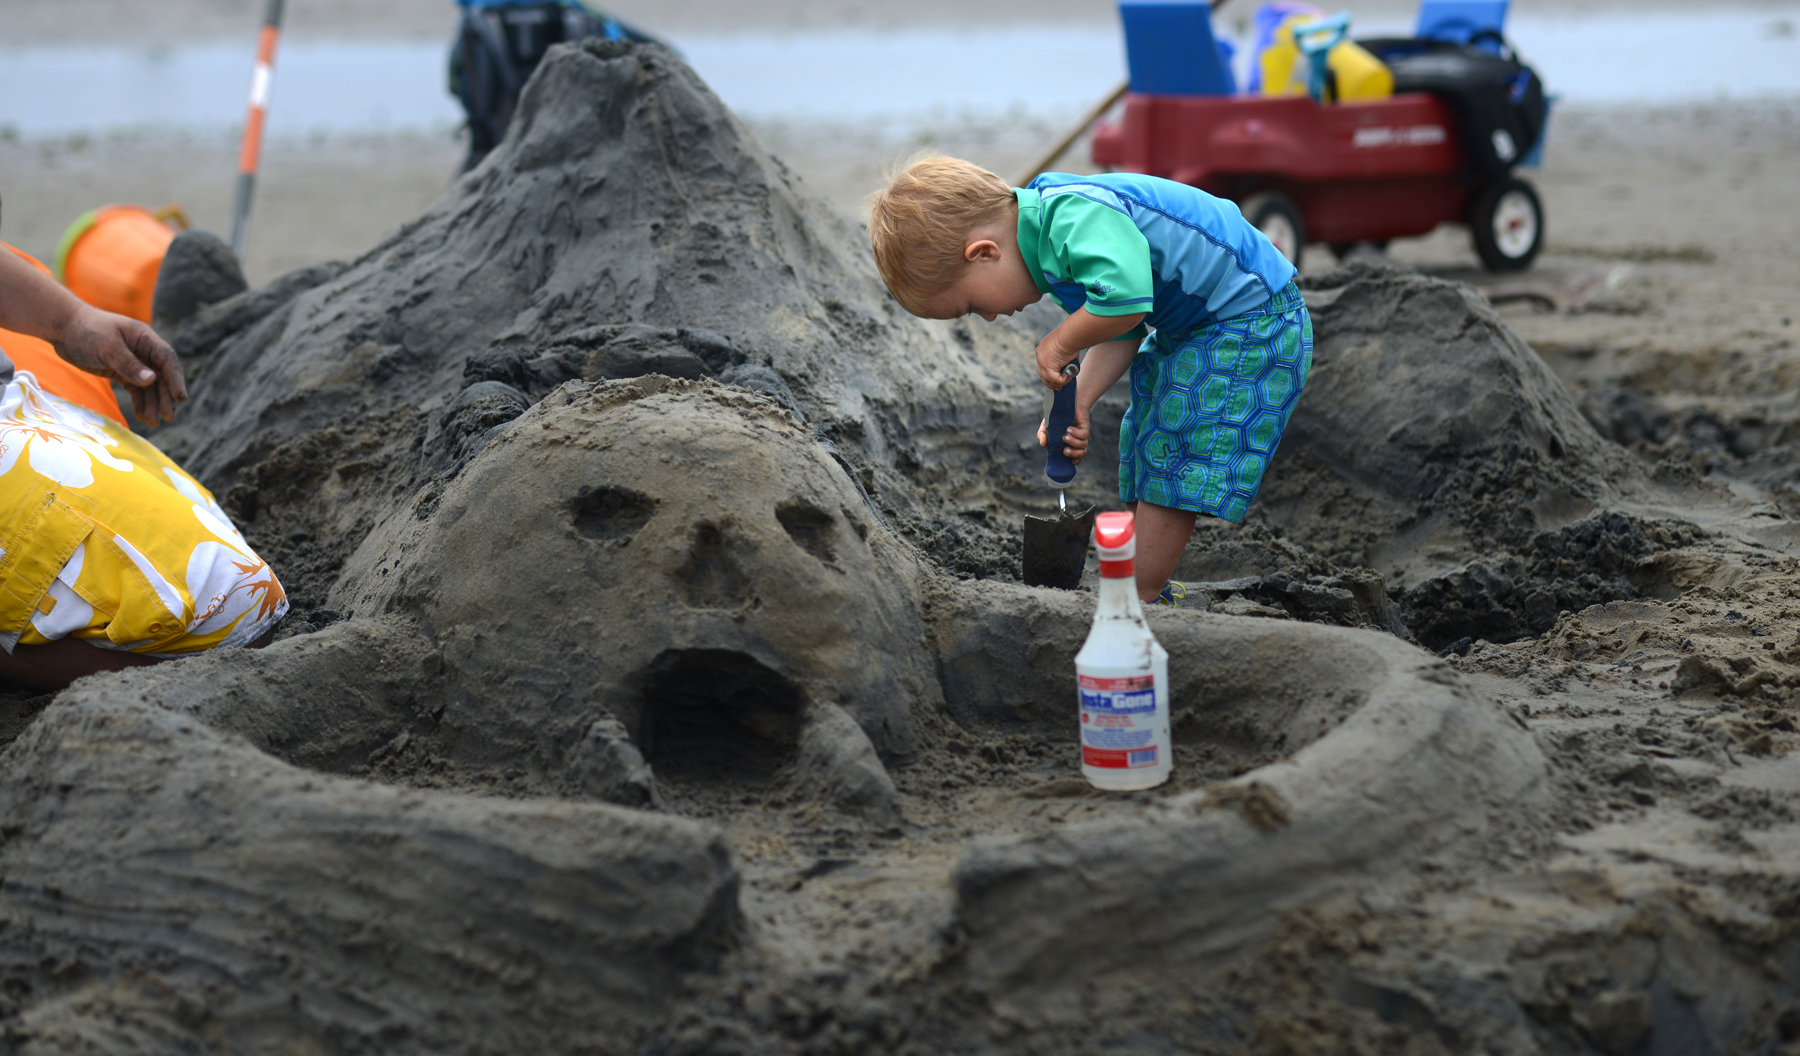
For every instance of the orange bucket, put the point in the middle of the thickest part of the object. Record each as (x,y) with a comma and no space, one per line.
(52,372)
(109,257)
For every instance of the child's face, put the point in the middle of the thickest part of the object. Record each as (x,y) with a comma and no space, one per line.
(995,283)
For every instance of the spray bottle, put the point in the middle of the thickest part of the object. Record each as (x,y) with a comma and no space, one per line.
(1123,674)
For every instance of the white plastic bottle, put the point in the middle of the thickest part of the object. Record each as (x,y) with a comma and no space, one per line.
(1123,674)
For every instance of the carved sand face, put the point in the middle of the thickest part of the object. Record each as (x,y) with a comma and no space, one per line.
(687,560)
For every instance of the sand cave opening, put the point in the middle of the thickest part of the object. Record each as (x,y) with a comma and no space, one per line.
(714,716)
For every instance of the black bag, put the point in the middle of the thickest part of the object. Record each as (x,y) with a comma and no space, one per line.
(497,49)
(1498,100)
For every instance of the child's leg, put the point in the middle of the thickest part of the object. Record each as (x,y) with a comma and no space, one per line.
(1162,534)
(54,665)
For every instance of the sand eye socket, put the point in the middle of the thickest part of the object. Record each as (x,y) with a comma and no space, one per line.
(611,515)
(810,527)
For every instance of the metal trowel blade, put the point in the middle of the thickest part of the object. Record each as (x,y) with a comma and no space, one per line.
(1056,549)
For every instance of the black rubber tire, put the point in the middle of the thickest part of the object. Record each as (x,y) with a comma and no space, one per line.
(1340,250)
(1507,224)
(1278,218)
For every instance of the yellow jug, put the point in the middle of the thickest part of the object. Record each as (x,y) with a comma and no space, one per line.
(1359,74)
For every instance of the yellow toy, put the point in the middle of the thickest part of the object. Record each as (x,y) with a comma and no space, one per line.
(1356,73)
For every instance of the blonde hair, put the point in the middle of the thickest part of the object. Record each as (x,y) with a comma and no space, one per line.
(920,222)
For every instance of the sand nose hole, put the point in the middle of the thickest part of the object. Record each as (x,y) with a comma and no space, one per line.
(712,579)
(611,515)
(717,715)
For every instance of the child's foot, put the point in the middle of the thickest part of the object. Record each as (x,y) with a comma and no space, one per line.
(1172,595)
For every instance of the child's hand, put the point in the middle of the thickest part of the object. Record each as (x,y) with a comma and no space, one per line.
(1082,329)
(1052,357)
(1075,437)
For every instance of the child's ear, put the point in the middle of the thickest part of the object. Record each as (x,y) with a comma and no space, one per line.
(985,251)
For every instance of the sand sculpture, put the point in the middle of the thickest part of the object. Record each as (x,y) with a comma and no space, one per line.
(596,484)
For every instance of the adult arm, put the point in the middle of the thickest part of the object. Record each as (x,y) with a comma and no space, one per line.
(1104,365)
(111,346)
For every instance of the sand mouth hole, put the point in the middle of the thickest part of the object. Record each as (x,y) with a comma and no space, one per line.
(810,527)
(611,515)
(713,715)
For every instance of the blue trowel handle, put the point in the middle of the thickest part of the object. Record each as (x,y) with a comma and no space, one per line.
(1057,466)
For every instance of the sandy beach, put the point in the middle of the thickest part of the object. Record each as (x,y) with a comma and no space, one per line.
(1694,201)
(1495,756)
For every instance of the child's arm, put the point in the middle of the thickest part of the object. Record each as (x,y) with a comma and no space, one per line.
(1080,330)
(1104,365)
(112,346)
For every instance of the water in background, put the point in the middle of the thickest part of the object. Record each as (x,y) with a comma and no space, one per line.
(893,82)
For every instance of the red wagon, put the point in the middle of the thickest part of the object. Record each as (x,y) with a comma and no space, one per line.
(1338,173)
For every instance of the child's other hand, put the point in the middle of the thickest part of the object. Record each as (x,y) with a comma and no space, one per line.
(1075,437)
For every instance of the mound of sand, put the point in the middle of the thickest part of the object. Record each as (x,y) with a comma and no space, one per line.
(1427,404)
(1436,457)
(665,594)
(630,225)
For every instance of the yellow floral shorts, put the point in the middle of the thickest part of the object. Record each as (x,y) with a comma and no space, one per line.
(103,538)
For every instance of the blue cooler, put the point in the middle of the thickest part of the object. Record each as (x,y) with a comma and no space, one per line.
(1170,48)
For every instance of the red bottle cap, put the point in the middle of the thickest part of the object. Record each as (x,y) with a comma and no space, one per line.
(1113,530)
(1115,536)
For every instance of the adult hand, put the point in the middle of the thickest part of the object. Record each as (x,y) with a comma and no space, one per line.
(1075,437)
(129,352)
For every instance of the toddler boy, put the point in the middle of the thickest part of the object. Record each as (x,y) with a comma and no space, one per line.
(1159,278)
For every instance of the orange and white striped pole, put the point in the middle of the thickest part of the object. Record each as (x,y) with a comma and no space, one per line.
(251,154)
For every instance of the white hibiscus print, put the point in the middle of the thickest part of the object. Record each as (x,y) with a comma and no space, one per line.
(63,447)
(226,580)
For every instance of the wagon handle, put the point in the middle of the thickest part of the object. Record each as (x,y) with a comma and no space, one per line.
(1338,26)
(1315,39)
(1074,133)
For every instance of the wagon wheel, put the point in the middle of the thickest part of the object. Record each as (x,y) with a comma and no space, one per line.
(1508,225)
(1278,218)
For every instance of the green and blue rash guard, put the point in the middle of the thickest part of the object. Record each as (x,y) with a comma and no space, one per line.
(1122,243)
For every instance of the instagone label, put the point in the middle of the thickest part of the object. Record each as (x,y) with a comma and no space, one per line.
(1118,722)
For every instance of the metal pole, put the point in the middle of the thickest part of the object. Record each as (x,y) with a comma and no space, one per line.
(251,154)
(1074,133)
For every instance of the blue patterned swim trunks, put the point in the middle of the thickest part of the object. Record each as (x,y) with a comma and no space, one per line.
(1209,405)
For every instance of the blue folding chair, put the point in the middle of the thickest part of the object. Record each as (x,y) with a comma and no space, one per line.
(1170,48)
(1475,22)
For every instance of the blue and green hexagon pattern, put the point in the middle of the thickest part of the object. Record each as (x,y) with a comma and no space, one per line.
(1208,407)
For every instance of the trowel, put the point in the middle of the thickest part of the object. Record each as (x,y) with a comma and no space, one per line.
(1056,547)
